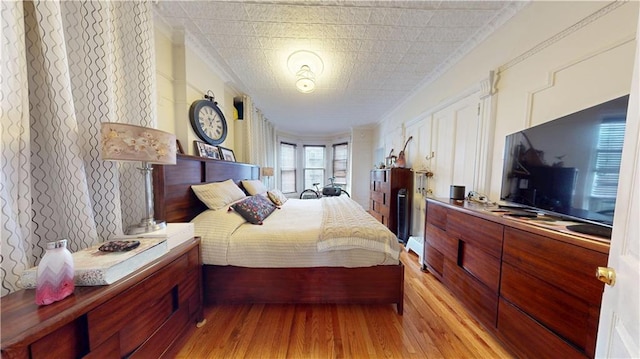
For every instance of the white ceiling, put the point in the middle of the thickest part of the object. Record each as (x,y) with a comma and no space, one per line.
(375,53)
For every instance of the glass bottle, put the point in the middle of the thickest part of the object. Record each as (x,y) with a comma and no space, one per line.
(55,273)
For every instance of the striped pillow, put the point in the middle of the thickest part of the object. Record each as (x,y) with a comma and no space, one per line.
(277,197)
(218,194)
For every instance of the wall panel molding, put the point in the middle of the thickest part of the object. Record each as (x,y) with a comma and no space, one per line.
(553,74)
(561,35)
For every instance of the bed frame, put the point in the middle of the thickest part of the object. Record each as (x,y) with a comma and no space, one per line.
(174,201)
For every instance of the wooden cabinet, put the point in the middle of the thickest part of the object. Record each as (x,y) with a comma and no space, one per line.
(383,199)
(532,287)
(142,315)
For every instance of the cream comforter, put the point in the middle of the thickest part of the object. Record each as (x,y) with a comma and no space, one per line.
(293,236)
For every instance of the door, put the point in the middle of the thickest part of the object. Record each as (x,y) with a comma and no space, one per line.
(455,143)
(619,328)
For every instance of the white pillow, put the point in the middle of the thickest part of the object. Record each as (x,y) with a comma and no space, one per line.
(218,194)
(254,187)
(277,197)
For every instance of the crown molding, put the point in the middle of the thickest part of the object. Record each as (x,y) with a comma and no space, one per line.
(488,85)
(506,14)
(561,35)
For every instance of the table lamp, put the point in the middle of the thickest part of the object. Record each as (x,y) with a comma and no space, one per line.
(124,142)
(267,172)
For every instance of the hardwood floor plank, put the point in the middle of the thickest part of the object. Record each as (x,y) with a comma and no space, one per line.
(271,340)
(311,332)
(434,325)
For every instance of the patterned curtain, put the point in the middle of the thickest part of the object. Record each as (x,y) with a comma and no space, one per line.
(66,67)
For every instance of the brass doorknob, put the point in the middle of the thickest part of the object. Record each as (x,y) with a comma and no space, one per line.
(606,275)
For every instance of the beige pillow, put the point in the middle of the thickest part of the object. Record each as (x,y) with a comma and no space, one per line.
(254,187)
(277,197)
(218,194)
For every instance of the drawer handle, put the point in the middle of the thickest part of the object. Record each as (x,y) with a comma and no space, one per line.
(606,275)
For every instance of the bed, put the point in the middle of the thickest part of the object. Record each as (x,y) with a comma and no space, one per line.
(275,282)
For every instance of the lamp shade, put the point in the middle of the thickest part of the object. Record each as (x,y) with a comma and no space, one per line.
(266,171)
(124,142)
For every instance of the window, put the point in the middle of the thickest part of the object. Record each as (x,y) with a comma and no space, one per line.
(608,157)
(340,155)
(313,166)
(287,167)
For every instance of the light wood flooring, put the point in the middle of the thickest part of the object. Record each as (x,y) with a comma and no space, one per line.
(434,325)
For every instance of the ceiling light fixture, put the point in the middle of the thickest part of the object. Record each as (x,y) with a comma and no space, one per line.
(305,65)
(306,80)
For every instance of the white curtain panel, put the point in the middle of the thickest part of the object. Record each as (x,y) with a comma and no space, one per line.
(84,63)
(260,146)
(15,189)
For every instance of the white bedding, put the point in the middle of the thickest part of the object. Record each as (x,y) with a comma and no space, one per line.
(289,237)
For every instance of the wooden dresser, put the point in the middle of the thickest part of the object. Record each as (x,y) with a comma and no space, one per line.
(534,288)
(144,315)
(383,196)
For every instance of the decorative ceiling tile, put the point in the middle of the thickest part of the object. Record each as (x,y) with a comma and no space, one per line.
(375,52)
(416,18)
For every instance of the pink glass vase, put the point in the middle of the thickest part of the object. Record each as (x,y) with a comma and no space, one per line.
(54,277)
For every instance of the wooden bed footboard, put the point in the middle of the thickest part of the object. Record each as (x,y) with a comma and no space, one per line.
(370,285)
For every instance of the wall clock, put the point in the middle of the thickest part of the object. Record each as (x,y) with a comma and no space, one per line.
(207,120)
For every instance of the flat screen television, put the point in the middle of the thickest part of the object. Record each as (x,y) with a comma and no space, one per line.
(569,166)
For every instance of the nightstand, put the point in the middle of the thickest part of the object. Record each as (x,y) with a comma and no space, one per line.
(145,314)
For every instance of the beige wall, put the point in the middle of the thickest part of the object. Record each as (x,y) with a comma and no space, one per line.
(184,76)
(550,59)
(361,164)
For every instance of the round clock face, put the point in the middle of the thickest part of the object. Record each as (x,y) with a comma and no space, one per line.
(208,121)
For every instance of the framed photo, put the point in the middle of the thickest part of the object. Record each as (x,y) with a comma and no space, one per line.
(179,149)
(227,154)
(207,150)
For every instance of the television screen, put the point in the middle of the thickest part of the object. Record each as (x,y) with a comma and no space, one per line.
(568,166)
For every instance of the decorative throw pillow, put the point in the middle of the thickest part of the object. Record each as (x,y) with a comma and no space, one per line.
(277,197)
(254,187)
(254,209)
(217,195)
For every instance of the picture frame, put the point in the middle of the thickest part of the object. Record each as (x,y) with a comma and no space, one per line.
(179,149)
(227,154)
(207,150)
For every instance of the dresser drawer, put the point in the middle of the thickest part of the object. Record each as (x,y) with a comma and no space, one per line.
(535,341)
(154,296)
(375,214)
(434,260)
(481,233)
(436,215)
(379,176)
(439,239)
(68,341)
(559,311)
(378,197)
(382,209)
(565,266)
(481,301)
(378,186)
(483,266)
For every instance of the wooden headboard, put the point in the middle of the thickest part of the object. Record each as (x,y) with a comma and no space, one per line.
(174,201)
